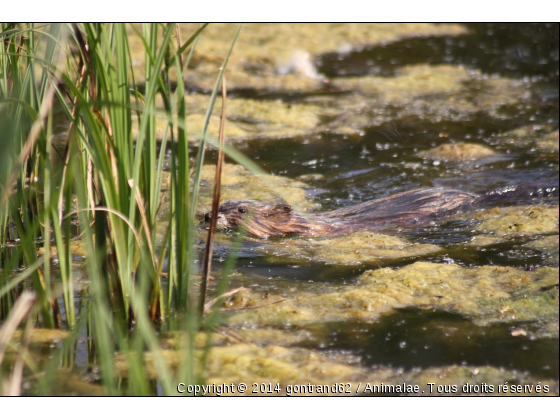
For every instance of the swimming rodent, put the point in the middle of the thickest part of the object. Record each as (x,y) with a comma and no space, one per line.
(412,208)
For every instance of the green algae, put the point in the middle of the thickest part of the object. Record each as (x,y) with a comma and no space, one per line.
(500,225)
(432,92)
(486,294)
(480,375)
(240,184)
(428,88)
(546,244)
(246,118)
(549,142)
(272,336)
(533,305)
(478,293)
(357,248)
(272,56)
(517,221)
(266,55)
(271,119)
(77,248)
(410,82)
(69,383)
(458,151)
(542,138)
(253,364)
(427,91)
(42,336)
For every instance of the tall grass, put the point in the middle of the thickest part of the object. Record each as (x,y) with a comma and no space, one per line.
(107,185)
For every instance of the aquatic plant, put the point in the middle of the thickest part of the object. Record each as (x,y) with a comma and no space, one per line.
(101,184)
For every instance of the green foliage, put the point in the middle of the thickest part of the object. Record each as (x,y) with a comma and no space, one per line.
(104,185)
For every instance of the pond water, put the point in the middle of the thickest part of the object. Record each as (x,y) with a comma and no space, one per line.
(371,143)
(385,159)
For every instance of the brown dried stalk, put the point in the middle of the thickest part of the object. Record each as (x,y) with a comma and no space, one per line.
(207,264)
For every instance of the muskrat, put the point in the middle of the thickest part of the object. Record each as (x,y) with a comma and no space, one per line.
(412,208)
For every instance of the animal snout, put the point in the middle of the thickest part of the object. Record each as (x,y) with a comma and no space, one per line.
(208,216)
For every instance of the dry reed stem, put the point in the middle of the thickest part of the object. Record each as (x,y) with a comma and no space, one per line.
(253,306)
(19,311)
(207,264)
(144,218)
(36,128)
(14,389)
(82,71)
(210,303)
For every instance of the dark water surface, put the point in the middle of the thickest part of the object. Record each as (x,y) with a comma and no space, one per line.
(415,338)
(509,49)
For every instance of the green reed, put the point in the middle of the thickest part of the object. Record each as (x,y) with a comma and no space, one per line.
(104,184)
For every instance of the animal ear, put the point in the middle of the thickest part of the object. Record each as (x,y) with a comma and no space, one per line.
(280,208)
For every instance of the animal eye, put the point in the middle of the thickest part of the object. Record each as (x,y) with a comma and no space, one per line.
(242,210)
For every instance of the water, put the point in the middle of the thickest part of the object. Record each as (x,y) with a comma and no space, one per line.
(384,159)
(511,50)
(416,338)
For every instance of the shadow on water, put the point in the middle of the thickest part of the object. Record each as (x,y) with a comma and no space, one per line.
(512,50)
(415,338)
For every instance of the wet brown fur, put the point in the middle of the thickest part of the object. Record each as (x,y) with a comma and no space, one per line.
(419,206)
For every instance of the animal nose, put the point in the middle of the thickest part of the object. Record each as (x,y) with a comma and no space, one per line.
(208,216)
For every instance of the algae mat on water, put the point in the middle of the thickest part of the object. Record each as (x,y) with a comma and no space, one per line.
(485,294)
(431,92)
(266,55)
(289,368)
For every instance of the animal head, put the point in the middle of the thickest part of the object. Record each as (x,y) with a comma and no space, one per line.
(259,219)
